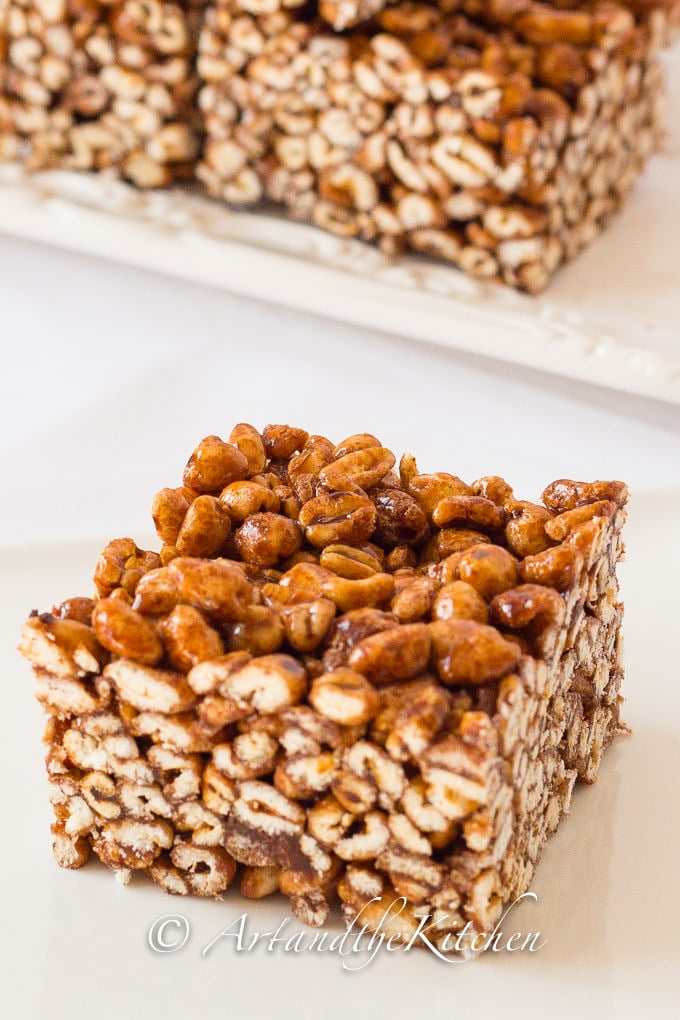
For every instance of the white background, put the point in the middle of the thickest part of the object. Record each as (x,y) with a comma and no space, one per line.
(110,376)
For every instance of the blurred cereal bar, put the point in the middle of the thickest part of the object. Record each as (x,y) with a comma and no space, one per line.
(501,136)
(338,14)
(90,85)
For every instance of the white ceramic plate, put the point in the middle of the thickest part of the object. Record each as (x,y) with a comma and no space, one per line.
(611,317)
(74,945)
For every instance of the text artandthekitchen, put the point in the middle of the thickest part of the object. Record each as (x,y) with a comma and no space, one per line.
(171,932)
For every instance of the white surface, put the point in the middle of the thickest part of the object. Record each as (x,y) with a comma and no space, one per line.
(581,328)
(74,944)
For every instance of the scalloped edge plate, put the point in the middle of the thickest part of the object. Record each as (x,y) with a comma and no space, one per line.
(611,317)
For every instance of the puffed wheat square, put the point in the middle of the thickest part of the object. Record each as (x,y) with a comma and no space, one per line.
(336,680)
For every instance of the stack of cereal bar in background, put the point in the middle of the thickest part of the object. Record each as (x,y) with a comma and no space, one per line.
(92,85)
(500,135)
(337,680)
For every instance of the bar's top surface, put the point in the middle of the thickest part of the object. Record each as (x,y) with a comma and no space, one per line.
(285,547)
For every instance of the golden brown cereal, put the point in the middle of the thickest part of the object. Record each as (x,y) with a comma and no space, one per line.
(266,538)
(79,609)
(205,529)
(467,652)
(418,722)
(157,593)
(242,499)
(351,628)
(282,441)
(534,609)
(469,511)
(400,653)
(214,464)
(459,600)
(261,631)
(364,467)
(122,630)
(259,882)
(219,587)
(250,443)
(188,638)
(121,565)
(413,598)
(363,592)
(489,569)
(567,495)
(306,623)
(168,510)
(400,520)
(558,567)
(350,561)
(315,454)
(401,557)
(361,441)
(559,527)
(345,697)
(494,488)
(526,529)
(338,517)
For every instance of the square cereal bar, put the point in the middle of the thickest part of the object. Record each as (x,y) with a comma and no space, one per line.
(338,680)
